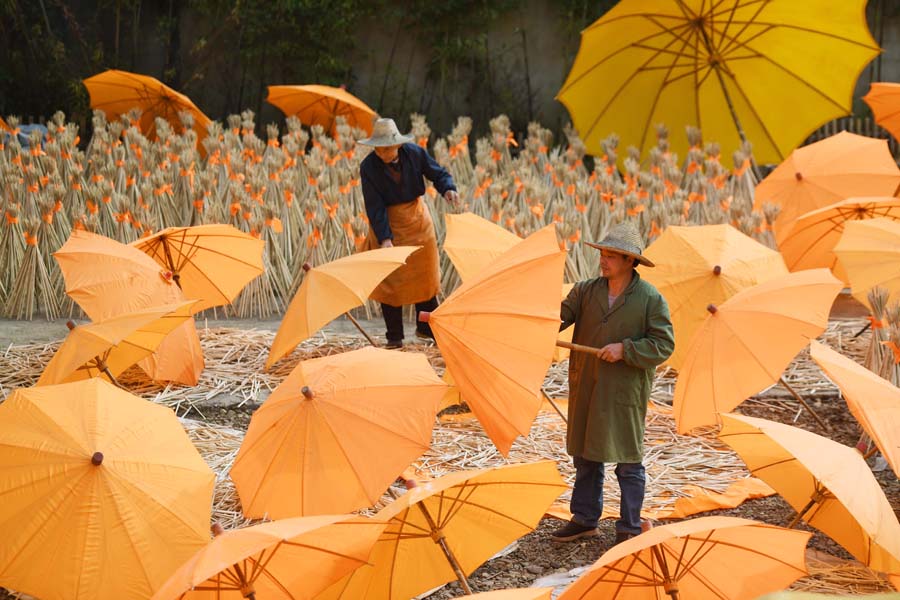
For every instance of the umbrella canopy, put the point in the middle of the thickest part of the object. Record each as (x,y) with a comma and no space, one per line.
(728,67)
(497,332)
(474,514)
(117,92)
(109,347)
(807,243)
(332,289)
(210,263)
(828,484)
(709,557)
(473,242)
(104,495)
(321,104)
(701,265)
(515,594)
(869,253)
(335,434)
(884,100)
(874,401)
(745,344)
(290,559)
(829,171)
(108,279)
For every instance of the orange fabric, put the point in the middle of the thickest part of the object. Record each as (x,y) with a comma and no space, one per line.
(320,104)
(869,253)
(472,242)
(746,344)
(515,594)
(884,100)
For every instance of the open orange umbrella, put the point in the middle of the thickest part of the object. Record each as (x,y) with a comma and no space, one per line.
(497,331)
(210,263)
(446,528)
(473,242)
(884,100)
(288,559)
(330,290)
(829,485)
(709,557)
(117,92)
(746,342)
(335,434)
(108,279)
(109,347)
(869,253)
(515,594)
(874,401)
(104,495)
(807,242)
(321,104)
(818,175)
(701,265)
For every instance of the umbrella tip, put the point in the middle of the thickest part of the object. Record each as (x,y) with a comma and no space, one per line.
(712,309)
(70,324)
(410,483)
(307,266)
(799,176)
(97,459)
(424,316)
(717,270)
(307,393)
(217,529)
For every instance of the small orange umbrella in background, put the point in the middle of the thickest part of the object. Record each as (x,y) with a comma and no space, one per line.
(333,289)
(107,279)
(321,104)
(288,559)
(701,265)
(746,343)
(497,331)
(107,348)
(117,92)
(874,401)
(210,263)
(335,434)
(829,485)
(104,495)
(707,557)
(818,175)
(869,252)
(807,242)
(884,100)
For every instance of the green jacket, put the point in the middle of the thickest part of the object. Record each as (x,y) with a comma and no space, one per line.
(608,401)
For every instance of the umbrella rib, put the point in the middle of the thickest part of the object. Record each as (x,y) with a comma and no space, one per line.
(697,576)
(396,549)
(379,425)
(724,37)
(320,549)
(811,30)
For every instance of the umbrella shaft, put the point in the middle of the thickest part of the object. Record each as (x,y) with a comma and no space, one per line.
(361,330)
(442,542)
(578,347)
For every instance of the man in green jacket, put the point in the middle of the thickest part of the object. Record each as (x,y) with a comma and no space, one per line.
(628,319)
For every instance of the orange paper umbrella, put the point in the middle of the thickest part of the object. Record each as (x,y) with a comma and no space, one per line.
(818,175)
(869,253)
(108,279)
(807,242)
(210,263)
(281,560)
(829,485)
(515,594)
(884,100)
(745,343)
(117,92)
(103,493)
(706,558)
(874,401)
(330,290)
(497,331)
(336,433)
(107,348)
(702,265)
(321,104)
(446,528)
(473,242)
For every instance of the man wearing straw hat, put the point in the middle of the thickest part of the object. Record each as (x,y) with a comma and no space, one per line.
(628,320)
(392,187)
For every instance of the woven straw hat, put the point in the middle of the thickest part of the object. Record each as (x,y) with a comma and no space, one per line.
(625,239)
(385,133)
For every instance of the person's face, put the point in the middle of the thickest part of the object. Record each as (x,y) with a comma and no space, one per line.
(387,153)
(613,264)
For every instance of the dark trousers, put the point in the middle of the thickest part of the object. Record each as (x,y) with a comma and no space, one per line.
(587,494)
(393,319)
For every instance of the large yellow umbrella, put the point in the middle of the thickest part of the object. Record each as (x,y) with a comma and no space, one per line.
(701,265)
(729,67)
(884,100)
(104,495)
(869,253)
(321,104)
(829,485)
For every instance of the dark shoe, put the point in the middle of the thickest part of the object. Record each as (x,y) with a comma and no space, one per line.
(622,536)
(572,531)
(423,335)
(393,345)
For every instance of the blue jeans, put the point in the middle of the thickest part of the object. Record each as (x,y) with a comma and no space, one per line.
(587,495)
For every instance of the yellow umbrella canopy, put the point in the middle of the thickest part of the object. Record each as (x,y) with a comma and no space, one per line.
(702,265)
(716,64)
(104,495)
(829,485)
(107,348)
(321,104)
(869,253)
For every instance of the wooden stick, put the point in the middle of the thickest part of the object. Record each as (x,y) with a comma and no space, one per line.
(361,330)
(438,536)
(555,407)
(579,348)
(800,513)
(803,402)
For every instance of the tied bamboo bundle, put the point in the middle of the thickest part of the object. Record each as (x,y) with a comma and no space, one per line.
(876,353)
(890,362)
(31,289)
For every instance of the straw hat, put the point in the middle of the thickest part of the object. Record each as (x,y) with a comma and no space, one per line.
(625,239)
(385,133)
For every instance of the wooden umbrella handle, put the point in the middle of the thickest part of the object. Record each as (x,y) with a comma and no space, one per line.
(579,348)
